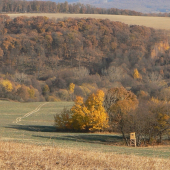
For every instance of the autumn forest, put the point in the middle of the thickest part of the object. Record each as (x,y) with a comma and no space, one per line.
(47,55)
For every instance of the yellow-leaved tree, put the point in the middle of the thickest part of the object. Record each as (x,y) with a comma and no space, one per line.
(84,116)
(136,74)
(71,90)
(7,85)
(91,115)
(31,92)
(71,87)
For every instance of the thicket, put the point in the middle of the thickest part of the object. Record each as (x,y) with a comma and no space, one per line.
(149,118)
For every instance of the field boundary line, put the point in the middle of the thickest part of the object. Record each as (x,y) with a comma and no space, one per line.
(19,119)
(6,99)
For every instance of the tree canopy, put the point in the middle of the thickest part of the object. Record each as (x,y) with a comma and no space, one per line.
(84,116)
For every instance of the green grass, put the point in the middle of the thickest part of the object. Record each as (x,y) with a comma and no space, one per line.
(38,129)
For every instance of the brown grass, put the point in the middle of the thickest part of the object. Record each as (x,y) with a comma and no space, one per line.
(155,22)
(25,157)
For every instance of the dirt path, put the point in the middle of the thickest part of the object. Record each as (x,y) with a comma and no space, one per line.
(19,119)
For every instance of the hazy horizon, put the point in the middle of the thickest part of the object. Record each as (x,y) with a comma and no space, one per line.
(145,6)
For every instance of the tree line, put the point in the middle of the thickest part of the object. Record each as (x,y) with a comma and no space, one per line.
(76,8)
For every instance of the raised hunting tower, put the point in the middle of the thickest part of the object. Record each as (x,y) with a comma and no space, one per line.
(132,139)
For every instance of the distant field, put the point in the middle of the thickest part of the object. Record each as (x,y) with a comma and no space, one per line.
(38,129)
(155,22)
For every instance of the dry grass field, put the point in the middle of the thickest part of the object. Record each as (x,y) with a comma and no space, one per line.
(26,157)
(155,22)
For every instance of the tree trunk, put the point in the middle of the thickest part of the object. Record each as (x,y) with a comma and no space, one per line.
(124,137)
(160,137)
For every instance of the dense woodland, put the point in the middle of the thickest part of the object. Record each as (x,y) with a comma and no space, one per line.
(52,7)
(41,57)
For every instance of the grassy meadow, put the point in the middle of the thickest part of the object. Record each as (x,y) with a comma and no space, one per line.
(154,22)
(38,128)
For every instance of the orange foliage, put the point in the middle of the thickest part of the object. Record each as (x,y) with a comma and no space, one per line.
(119,102)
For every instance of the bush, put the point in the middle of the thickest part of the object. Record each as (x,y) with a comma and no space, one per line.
(63,94)
(53,99)
(63,120)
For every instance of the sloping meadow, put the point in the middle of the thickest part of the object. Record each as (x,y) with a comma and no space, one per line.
(38,129)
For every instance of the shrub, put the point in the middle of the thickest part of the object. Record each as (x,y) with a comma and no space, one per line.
(63,94)
(53,99)
(62,120)
(7,85)
(45,90)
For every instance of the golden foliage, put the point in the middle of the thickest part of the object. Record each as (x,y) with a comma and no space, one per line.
(160,47)
(136,74)
(91,115)
(71,87)
(154,100)
(142,94)
(7,85)
(31,92)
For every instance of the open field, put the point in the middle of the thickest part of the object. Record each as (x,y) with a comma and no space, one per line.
(155,22)
(38,129)
(25,157)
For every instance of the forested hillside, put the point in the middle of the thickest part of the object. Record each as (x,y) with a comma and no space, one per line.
(41,58)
